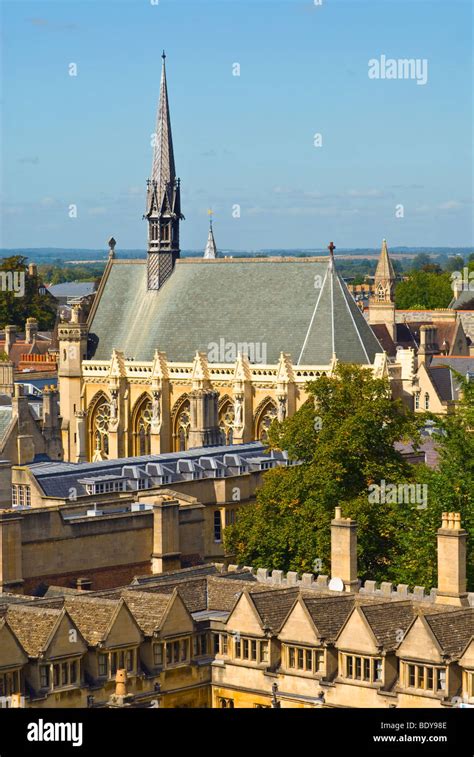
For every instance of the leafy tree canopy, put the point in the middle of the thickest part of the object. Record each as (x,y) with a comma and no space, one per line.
(344,437)
(16,307)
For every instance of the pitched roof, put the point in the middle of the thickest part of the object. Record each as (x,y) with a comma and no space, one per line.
(32,626)
(222,594)
(464,298)
(387,619)
(147,608)
(273,606)
(278,305)
(92,615)
(442,379)
(328,613)
(452,629)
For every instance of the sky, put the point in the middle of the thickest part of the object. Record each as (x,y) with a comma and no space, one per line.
(393,158)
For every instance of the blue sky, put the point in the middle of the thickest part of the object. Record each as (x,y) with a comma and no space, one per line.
(243,140)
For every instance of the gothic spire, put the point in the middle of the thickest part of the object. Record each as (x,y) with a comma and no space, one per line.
(384,282)
(211,249)
(163,168)
(384,270)
(163,198)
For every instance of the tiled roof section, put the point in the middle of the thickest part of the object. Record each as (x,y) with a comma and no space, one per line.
(137,321)
(147,608)
(381,332)
(6,416)
(464,301)
(223,593)
(32,626)
(328,613)
(387,620)
(453,630)
(193,592)
(408,333)
(92,615)
(274,606)
(442,379)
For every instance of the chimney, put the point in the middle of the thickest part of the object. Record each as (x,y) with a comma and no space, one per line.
(31,330)
(428,344)
(344,551)
(121,683)
(452,562)
(10,338)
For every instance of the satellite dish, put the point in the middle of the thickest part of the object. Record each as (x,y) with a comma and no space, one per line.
(336,584)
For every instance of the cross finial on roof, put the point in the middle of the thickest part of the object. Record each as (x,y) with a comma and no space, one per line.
(163,55)
(210,213)
(331,248)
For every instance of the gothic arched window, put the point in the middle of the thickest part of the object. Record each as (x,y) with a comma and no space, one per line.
(100,430)
(264,419)
(226,422)
(142,428)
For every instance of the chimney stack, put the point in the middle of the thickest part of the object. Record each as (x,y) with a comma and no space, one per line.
(344,550)
(452,562)
(428,344)
(31,330)
(10,338)
(121,683)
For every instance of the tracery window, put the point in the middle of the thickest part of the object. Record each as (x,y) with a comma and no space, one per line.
(183,423)
(143,428)
(226,422)
(100,430)
(264,421)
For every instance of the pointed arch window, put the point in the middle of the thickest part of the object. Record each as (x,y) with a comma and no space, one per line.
(181,427)
(100,430)
(381,293)
(264,420)
(142,428)
(226,422)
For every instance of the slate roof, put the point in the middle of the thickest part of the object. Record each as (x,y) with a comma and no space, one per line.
(92,615)
(459,363)
(147,608)
(453,630)
(442,379)
(328,613)
(386,621)
(465,297)
(274,606)
(72,289)
(57,478)
(32,626)
(6,415)
(276,301)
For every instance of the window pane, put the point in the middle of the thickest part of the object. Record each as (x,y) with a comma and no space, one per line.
(292,657)
(264,651)
(366,669)
(253,650)
(300,659)
(358,668)
(429,678)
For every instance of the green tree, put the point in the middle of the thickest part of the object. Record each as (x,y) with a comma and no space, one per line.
(32,302)
(343,437)
(450,488)
(424,291)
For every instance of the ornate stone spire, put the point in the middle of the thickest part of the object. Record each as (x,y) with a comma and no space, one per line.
(384,283)
(163,169)
(211,249)
(163,211)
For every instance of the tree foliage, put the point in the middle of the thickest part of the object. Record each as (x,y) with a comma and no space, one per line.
(288,528)
(423,290)
(33,303)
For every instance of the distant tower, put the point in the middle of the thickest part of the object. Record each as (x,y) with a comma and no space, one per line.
(382,302)
(211,249)
(163,202)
